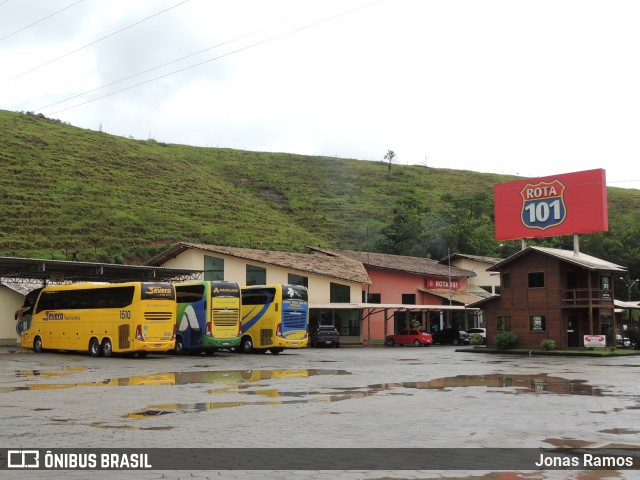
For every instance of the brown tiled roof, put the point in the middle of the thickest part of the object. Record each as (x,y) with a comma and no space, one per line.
(477,258)
(416,265)
(580,259)
(336,267)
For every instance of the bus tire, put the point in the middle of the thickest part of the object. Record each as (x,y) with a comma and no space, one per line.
(142,354)
(276,351)
(246,345)
(179,348)
(37,345)
(107,348)
(94,347)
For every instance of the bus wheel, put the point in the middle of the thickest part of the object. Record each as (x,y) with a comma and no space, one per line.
(94,347)
(275,351)
(246,346)
(142,354)
(37,345)
(107,348)
(179,348)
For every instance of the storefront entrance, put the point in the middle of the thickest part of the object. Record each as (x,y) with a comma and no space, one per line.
(573,331)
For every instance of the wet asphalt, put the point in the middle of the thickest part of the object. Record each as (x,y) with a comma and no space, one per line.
(400,397)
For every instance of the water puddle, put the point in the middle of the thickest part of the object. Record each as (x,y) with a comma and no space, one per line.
(45,373)
(540,383)
(518,384)
(276,397)
(567,442)
(187,378)
(127,427)
(620,431)
(582,475)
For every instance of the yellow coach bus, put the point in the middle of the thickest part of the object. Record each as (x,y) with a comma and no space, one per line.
(274,317)
(103,318)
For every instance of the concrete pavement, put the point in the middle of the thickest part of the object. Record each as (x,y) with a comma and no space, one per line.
(400,397)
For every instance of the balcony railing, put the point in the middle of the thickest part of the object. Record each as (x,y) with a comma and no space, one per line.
(584,297)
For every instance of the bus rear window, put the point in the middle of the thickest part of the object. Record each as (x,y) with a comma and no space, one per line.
(158,291)
(261,296)
(294,292)
(189,293)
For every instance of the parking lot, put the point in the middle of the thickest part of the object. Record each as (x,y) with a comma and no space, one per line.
(379,397)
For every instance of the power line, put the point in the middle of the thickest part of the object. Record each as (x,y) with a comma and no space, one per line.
(38,21)
(147,71)
(96,41)
(262,42)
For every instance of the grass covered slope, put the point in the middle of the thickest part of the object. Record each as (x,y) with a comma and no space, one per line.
(67,192)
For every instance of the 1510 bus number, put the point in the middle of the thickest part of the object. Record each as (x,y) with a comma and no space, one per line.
(125,314)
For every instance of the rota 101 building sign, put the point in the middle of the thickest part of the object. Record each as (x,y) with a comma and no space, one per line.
(551,206)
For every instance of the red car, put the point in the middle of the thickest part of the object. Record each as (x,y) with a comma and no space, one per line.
(412,336)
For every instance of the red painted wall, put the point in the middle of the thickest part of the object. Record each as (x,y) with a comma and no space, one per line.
(391,285)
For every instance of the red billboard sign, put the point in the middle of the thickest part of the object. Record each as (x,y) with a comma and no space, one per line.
(552,206)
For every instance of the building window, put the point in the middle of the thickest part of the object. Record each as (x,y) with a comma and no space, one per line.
(536,279)
(213,268)
(368,297)
(256,275)
(506,280)
(503,324)
(408,298)
(294,279)
(347,322)
(537,323)
(339,293)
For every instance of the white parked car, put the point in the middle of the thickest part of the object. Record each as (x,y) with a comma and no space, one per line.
(480,331)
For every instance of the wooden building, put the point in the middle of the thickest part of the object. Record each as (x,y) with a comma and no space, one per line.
(550,293)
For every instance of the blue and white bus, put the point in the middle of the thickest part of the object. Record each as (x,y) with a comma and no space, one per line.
(274,317)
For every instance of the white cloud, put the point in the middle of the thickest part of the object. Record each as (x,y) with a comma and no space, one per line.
(528,88)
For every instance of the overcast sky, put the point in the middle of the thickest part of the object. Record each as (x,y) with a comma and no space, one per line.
(530,88)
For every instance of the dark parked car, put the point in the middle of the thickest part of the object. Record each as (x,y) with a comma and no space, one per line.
(412,336)
(451,335)
(325,336)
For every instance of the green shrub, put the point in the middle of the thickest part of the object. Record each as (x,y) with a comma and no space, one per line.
(476,339)
(548,344)
(504,340)
(633,332)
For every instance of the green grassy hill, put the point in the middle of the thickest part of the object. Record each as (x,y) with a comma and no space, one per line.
(67,192)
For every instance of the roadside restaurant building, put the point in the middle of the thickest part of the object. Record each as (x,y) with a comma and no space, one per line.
(561,295)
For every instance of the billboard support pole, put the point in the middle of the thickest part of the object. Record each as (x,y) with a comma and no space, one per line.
(576,244)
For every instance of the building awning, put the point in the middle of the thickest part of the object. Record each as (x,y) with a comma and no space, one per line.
(458,297)
(16,269)
(621,306)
